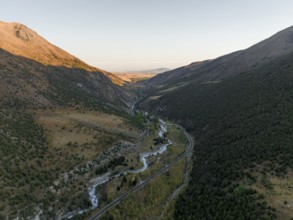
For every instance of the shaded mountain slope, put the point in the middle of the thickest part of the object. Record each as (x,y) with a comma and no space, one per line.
(35,85)
(243,132)
(45,94)
(230,65)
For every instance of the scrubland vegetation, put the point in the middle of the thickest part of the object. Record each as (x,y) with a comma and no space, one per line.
(47,157)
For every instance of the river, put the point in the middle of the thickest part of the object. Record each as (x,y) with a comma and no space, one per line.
(99,180)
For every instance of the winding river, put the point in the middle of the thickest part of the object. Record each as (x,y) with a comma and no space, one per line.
(99,180)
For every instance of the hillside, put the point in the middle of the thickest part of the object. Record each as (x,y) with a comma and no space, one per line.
(229,65)
(20,40)
(58,117)
(34,68)
(242,158)
(64,128)
(73,139)
(34,85)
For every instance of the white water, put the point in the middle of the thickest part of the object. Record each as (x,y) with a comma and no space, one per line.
(163,128)
(93,197)
(99,180)
(144,156)
(92,188)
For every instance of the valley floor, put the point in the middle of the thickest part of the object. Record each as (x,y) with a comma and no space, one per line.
(89,159)
(157,187)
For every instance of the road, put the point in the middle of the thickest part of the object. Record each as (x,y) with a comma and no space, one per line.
(146,181)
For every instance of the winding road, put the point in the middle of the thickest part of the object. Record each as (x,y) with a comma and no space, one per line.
(146,181)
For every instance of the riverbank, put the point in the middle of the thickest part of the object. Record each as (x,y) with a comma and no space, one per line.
(110,176)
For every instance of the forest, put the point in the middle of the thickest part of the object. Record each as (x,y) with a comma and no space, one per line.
(239,125)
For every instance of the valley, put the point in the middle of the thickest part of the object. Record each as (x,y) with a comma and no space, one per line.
(71,142)
(91,158)
(167,178)
(59,171)
(208,140)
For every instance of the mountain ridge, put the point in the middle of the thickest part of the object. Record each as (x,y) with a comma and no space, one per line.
(38,73)
(232,64)
(20,40)
(242,154)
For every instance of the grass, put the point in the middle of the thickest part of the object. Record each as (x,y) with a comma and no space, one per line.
(277,191)
(149,202)
(60,151)
(75,132)
(54,157)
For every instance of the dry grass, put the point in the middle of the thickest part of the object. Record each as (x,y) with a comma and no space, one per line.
(279,194)
(72,134)
(63,126)
(22,41)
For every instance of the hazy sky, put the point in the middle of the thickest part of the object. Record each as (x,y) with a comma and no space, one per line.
(120,35)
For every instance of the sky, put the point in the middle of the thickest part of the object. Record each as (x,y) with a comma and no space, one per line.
(131,35)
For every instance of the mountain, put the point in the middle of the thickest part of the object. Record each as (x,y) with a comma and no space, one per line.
(241,122)
(131,77)
(57,116)
(229,65)
(136,76)
(20,40)
(33,68)
(34,85)
(174,75)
